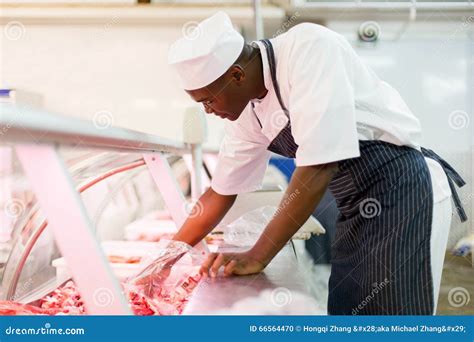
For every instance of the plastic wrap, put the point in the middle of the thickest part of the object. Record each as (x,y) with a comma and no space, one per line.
(162,284)
(167,278)
(246,230)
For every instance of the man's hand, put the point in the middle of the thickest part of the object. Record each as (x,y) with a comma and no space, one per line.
(233,263)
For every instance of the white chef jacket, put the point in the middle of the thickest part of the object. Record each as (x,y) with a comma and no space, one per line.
(333,98)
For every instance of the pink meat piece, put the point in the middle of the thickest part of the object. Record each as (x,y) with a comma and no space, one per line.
(140,305)
(10,308)
(67,300)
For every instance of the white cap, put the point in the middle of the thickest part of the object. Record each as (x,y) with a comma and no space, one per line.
(206,52)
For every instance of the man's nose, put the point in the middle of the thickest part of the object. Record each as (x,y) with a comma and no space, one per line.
(208,109)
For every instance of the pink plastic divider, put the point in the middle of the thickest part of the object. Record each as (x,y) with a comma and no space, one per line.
(162,174)
(10,204)
(72,230)
(205,181)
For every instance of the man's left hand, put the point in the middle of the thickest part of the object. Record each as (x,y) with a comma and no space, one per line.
(233,263)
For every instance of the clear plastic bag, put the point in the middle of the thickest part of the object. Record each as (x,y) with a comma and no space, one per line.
(166,280)
(246,230)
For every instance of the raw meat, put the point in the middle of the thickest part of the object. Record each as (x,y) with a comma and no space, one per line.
(140,305)
(162,287)
(163,301)
(121,259)
(10,308)
(67,300)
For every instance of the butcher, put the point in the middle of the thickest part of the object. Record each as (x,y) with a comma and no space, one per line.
(306,95)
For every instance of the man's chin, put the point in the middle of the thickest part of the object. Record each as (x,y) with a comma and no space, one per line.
(232,118)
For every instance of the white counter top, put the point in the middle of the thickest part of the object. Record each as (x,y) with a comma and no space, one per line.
(220,293)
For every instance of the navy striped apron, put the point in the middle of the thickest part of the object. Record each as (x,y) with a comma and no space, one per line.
(381,253)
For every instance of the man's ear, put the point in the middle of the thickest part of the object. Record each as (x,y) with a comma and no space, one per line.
(237,73)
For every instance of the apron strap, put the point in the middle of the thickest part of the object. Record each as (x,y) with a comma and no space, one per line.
(256,117)
(272,65)
(453,178)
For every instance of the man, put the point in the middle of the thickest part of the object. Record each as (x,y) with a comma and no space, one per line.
(306,95)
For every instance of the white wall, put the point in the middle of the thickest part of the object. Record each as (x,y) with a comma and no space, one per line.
(432,66)
(86,60)
(85,69)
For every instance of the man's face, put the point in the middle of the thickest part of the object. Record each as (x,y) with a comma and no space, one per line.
(225,97)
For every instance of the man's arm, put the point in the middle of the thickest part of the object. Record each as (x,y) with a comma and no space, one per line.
(206,214)
(306,188)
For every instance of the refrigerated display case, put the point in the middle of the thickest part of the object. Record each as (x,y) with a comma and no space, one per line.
(79,189)
(80,182)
